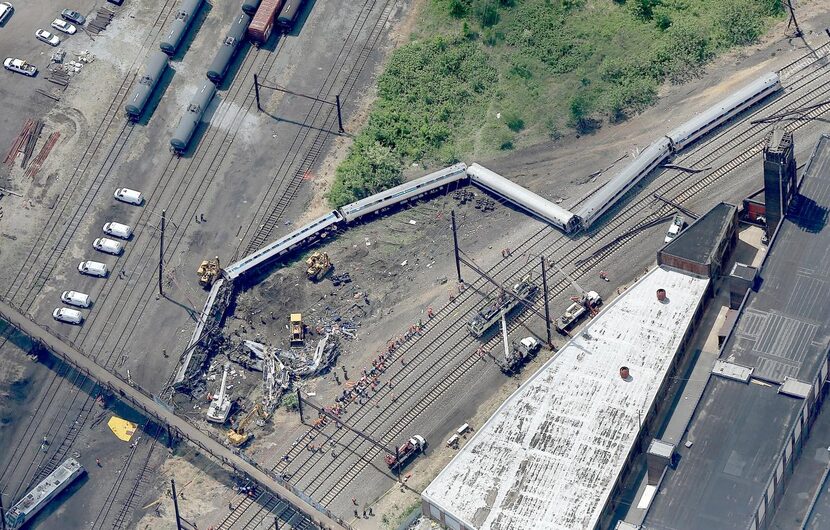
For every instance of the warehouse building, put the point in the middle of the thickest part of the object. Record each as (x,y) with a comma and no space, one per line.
(748,429)
(557,451)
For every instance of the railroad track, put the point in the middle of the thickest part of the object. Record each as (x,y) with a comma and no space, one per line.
(30,277)
(283,187)
(455,374)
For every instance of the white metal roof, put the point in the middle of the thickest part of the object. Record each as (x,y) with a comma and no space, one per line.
(550,455)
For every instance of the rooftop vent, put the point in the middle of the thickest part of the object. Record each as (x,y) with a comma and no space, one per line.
(661,295)
(625,373)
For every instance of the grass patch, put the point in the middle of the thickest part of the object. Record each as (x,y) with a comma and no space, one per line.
(484,76)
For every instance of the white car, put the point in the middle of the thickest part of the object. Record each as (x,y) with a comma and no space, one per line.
(5,11)
(76,298)
(108,246)
(20,66)
(64,26)
(118,230)
(70,316)
(675,228)
(129,196)
(48,38)
(93,268)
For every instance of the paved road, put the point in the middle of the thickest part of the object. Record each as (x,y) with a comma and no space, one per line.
(144,402)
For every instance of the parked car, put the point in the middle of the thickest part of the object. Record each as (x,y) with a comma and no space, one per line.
(5,11)
(107,245)
(73,16)
(129,196)
(48,38)
(64,26)
(118,230)
(20,66)
(676,226)
(93,268)
(76,298)
(70,316)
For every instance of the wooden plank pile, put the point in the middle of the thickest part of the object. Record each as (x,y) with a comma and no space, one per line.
(24,142)
(59,76)
(41,156)
(102,19)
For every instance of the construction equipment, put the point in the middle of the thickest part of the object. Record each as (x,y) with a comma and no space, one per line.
(586,303)
(238,436)
(502,304)
(522,352)
(406,452)
(208,271)
(297,329)
(319,265)
(220,405)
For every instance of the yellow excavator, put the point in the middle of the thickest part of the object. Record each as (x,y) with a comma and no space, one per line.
(238,436)
(208,271)
(319,265)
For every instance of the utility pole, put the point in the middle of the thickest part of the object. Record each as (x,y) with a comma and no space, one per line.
(176,504)
(277,522)
(161,254)
(793,21)
(455,246)
(256,90)
(300,405)
(547,305)
(339,115)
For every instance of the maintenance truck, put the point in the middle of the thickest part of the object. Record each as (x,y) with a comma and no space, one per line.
(406,452)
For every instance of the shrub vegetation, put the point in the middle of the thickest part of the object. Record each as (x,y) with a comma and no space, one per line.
(486,75)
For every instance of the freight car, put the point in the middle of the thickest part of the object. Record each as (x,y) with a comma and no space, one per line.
(301,236)
(178,29)
(263,22)
(156,65)
(522,197)
(192,117)
(249,7)
(403,193)
(219,66)
(289,14)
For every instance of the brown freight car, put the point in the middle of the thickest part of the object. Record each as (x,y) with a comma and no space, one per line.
(263,22)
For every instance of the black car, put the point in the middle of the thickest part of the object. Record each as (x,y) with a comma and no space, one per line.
(73,16)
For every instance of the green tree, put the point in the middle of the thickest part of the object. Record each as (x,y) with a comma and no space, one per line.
(739,22)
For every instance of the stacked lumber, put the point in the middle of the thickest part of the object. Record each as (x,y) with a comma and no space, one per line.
(41,156)
(102,19)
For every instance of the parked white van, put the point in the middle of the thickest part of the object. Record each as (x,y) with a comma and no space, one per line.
(107,245)
(129,196)
(70,316)
(76,298)
(118,230)
(93,268)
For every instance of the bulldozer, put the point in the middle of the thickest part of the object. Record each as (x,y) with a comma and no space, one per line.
(208,271)
(319,265)
(297,329)
(238,436)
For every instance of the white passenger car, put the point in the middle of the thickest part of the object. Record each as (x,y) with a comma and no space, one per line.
(118,230)
(129,196)
(5,11)
(107,245)
(76,298)
(48,38)
(20,66)
(93,268)
(64,26)
(675,228)
(70,316)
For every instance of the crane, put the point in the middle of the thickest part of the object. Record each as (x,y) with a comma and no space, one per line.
(220,405)
(237,435)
